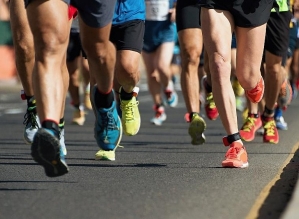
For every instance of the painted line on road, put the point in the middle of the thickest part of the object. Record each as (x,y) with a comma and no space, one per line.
(254,211)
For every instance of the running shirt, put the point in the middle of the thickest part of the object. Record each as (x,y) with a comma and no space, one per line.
(283,5)
(127,10)
(158,10)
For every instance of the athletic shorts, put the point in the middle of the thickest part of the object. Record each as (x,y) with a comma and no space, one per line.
(292,39)
(246,13)
(128,35)
(187,14)
(94,13)
(74,48)
(234,41)
(156,33)
(277,33)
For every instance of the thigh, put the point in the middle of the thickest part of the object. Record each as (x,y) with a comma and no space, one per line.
(250,48)
(217,28)
(128,60)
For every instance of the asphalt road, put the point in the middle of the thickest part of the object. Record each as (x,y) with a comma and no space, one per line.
(157,175)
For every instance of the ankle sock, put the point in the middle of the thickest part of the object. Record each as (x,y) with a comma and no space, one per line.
(104,100)
(53,126)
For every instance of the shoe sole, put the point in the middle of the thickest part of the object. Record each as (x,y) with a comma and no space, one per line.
(231,165)
(45,150)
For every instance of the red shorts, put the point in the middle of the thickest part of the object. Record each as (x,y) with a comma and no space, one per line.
(72,12)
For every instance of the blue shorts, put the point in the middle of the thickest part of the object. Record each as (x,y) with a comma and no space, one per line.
(156,33)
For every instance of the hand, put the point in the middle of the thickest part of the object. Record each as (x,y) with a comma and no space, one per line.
(172,13)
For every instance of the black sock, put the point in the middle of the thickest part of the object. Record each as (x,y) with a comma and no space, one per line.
(124,95)
(254,115)
(208,87)
(103,100)
(268,111)
(31,102)
(61,123)
(48,124)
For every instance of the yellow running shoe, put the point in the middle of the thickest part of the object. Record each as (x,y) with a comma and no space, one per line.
(106,155)
(130,116)
(196,129)
(238,89)
(78,117)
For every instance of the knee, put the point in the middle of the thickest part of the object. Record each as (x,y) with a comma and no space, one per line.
(191,55)
(24,50)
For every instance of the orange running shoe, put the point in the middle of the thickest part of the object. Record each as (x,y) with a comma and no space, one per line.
(250,126)
(236,156)
(255,95)
(270,130)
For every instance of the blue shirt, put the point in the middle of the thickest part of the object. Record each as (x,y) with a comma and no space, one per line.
(127,10)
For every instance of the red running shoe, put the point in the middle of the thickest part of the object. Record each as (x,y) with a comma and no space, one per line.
(236,156)
(255,95)
(250,126)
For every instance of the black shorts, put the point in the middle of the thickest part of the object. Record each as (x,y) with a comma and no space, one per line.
(246,13)
(74,48)
(187,14)
(128,35)
(277,33)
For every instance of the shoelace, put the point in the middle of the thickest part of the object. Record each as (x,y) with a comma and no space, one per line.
(210,101)
(30,117)
(129,111)
(108,121)
(249,124)
(270,128)
(232,152)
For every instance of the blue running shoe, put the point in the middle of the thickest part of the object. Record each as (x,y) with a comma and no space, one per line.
(108,127)
(280,123)
(46,151)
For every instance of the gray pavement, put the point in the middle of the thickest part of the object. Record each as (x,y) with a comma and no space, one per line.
(158,173)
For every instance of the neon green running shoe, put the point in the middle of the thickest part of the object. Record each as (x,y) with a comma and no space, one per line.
(106,155)
(196,129)
(130,116)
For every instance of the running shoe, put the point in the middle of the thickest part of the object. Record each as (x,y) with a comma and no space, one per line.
(236,156)
(78,117)
(108,127)
(270,130)
(240,103)
(106,155)
(294,91)
(31,122)
(255,95)
(130,114)
(238,89)
(210,106)
(285,94)
(45,150)
(250,127)
(196,128)
(280,123)
(160,115)
(62,142)
(172,98)
(87,102)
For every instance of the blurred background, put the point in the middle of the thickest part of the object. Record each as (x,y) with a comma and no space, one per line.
(8,73)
